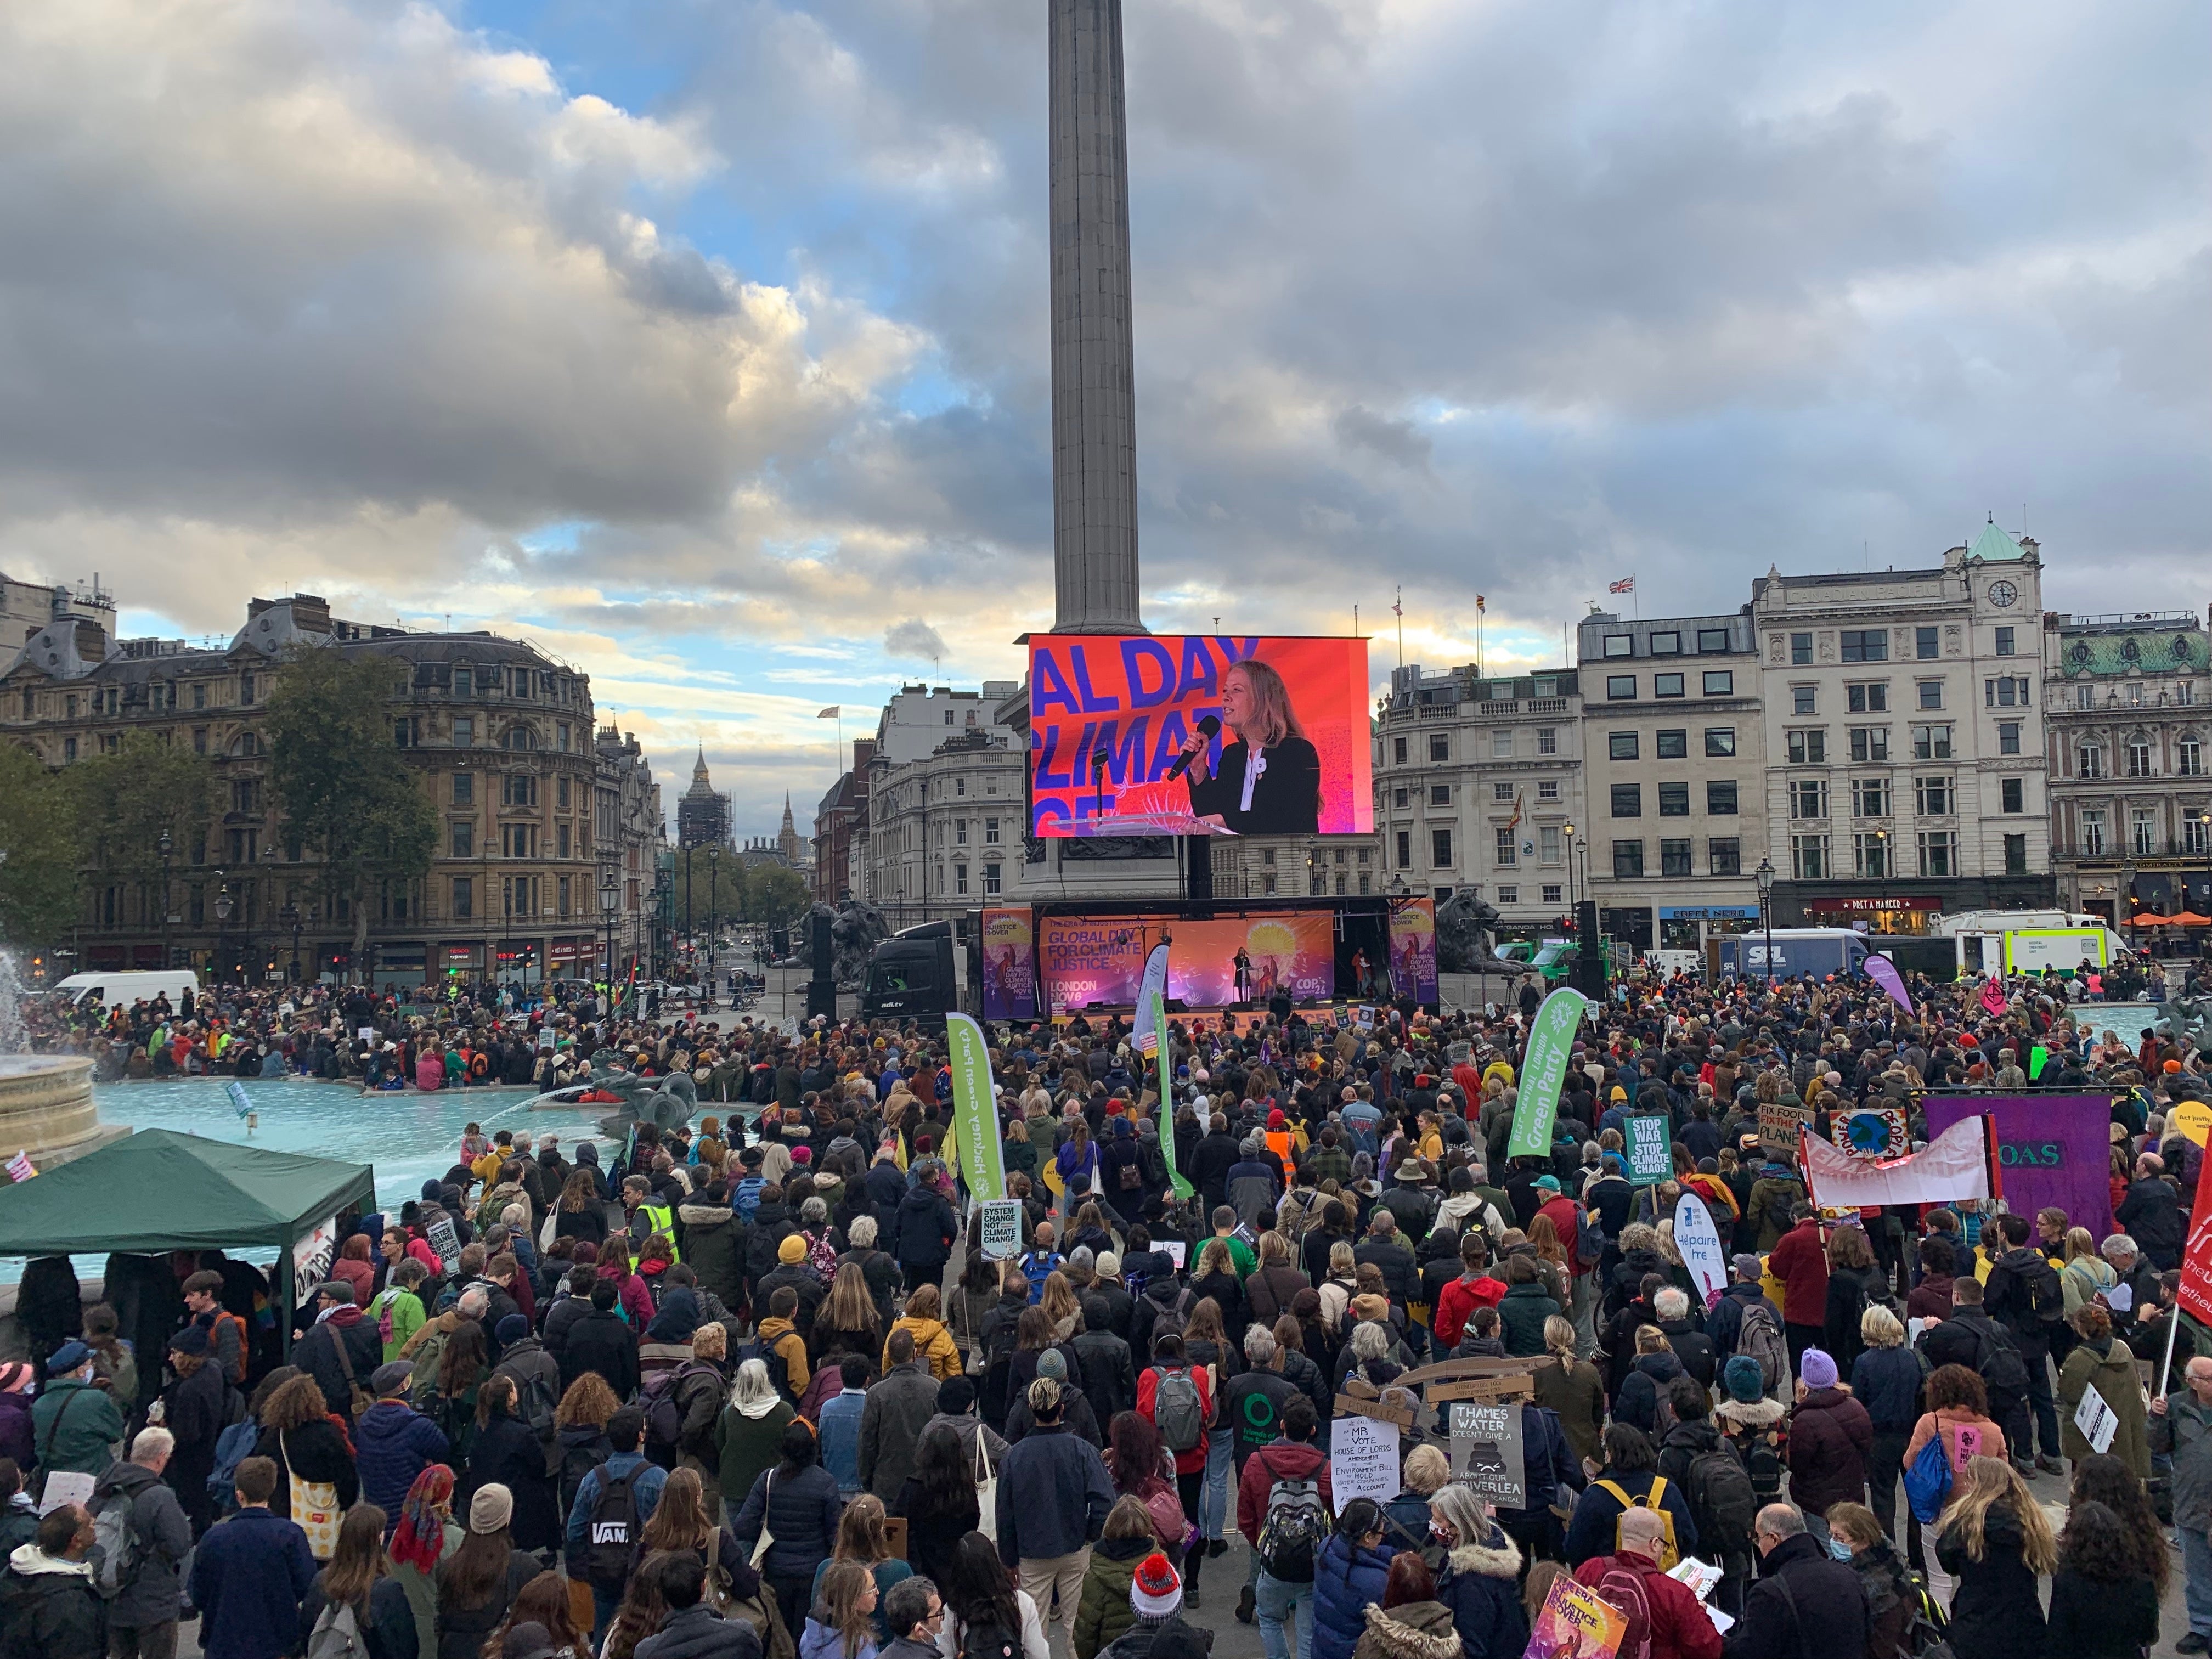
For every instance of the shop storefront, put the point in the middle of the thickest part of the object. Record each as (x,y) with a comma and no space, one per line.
(400,965)
(1887,913)
(1687,926)
(466,959)
(521,961)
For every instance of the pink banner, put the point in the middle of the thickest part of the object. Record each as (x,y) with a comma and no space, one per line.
(1413,949)
(1081,961)
(1009,966)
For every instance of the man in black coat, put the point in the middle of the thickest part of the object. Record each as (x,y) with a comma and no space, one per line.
(1804,1606)
(923,1239)
(601,1342)
(338,1321)
(1210,1162)
(47,1604)
(1384,1247)
(2021,1288)
(2151,1213)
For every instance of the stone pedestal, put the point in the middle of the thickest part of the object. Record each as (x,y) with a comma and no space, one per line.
(46,1110)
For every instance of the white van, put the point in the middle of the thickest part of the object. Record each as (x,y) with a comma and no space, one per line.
(119,989)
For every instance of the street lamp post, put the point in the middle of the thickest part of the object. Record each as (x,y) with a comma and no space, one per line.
(714,890)
(610,902)
(690,853)
(221,924)
(289,915)
(164,846)
(1570,870)
(1765,877)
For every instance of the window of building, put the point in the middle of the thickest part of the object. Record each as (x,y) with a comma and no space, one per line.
(2092,830)
(2188,759)
(245,687)
(1619,686)
(1672,745)
(960,832)
(562,895)
(1398,750)
(1807,748)
(2091,759)
(1440,848)
(1628,800)
(1674,800)
(1404,849)
(1439,746)
(1804,699)
(1808,797)
(1864,644)
(199,737)
(1550,893)
(200,697)
(2196,825)
(1547,789)
(1509,895)
(1547,740)
(1501,745)
(1547,842)
(1719,741)
(960,878)
(1926,644)
(2012,794)
(2008,737)
(561,839)
(1935,797)
(518,790)
(1620,745)
(990,832)
(1402,798)
(1809,858)
(2085,696)
(1869,697)
(2142,831)
(2005,642)
(465,788)
(1619,645)
(1870,798)
(1870,854)
(1939,852)
(1713,639)
(1726,853)
(401,732)
(1505,848)
(465,840)
(2005,692)
(464,897)
(1800,649)
(1869,742)
(1931,742)
(1666,685)
(2015,856)
(1668,644)
(1499,790)
(1720,682)
(1674,857)
(1931,694)
(1721,797)
(2139,764)
(465,731)
(1440,794)
(1627,860)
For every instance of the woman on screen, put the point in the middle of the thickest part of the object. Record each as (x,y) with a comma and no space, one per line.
(1270,779)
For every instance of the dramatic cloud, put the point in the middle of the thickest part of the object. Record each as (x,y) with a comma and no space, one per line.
(707,345)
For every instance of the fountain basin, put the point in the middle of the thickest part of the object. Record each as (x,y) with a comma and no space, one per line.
(46,1109)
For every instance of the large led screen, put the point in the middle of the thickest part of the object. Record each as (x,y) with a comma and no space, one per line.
(1198,734)
(1085,960)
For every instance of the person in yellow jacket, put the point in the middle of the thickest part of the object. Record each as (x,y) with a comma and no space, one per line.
(924,1322)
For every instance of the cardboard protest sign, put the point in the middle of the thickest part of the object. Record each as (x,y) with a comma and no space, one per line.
(1363,1460)
(1487,1450)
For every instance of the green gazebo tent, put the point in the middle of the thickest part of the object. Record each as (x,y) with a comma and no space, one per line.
(158,1190)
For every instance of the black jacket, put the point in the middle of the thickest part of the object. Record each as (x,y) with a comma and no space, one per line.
(507,1454)
(1285,797)
(2151,1213)
(1823,1614)
(1109,1373)
(314,1451)
(600,1342)
(696,1632)
(317,1354)
(1209,1167)
(52,1611)
(1399,1277)
(925,1231)
(1995,1612)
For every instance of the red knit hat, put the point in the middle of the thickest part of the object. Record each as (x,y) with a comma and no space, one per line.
(1154,1590)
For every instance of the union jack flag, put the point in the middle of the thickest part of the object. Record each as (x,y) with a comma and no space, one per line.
(1626,584)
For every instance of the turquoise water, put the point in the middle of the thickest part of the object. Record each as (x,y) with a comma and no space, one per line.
(408,1137)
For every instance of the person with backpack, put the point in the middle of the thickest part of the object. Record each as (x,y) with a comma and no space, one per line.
(250,1573)
(1800,1261)
(49,1607)
(147,1541)
(507,1453)
(1479,1577)
(1629,1480)
(1283,1507)
(1352,1570)
(1974,1341)
(1887,1379)
(1105,1611)
(1805,1604)
(603,1542)
(355,1609)
(1631,1579)
(2023,1294)
(798,1506)
(1177,1399)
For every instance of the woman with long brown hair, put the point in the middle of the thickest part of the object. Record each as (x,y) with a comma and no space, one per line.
(358,1584)
(542,1601)
(297,1431)
(1140,1468)
(682,1521)
(1268,781)
(642,1611)
(451,1399)
(840,1622)
(938,1500)
(506,1453)
(847,1322)
(862,1538)
(580,1214)
(479,1581)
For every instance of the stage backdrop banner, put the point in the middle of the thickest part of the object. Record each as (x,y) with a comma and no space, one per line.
(2052,1151)
(1413,949)
(1081,961)
(1137,700)
(1009,966)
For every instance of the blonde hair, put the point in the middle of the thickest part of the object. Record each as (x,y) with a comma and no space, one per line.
(1985,1483)
(2079,1244)
(1272,718)
(1340,1258)
(1879,1328)
(1426,1470)
(1560,1338)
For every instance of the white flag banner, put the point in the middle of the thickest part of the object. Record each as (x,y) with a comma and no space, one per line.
(1954,1166)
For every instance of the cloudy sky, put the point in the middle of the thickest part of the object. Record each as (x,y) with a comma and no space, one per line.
(704,341)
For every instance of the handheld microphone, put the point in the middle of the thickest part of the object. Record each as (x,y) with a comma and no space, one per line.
(1207,727)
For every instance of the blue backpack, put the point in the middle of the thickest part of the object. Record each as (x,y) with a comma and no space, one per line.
(1928,1481)
(232,1447)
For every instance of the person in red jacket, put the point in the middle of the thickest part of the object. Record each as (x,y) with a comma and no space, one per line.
(1566,1221)
(1801,1264)
(1168,1360)
(1680,1627)
(1473,1288)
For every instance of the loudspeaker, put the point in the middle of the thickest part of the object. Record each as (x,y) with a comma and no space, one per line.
(1588,975)
(821,988)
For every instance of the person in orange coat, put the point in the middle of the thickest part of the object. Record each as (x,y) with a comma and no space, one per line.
(1680,1627)
(1800,1262)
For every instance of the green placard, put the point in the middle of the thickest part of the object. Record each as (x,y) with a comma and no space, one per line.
(1165,1114)
(1543,1069)
(974,1109)
(1650,1153)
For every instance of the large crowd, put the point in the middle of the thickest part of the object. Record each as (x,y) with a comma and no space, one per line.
(754,1386)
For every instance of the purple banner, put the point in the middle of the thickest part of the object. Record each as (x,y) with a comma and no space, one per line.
(2053,1151)
(1883,972)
